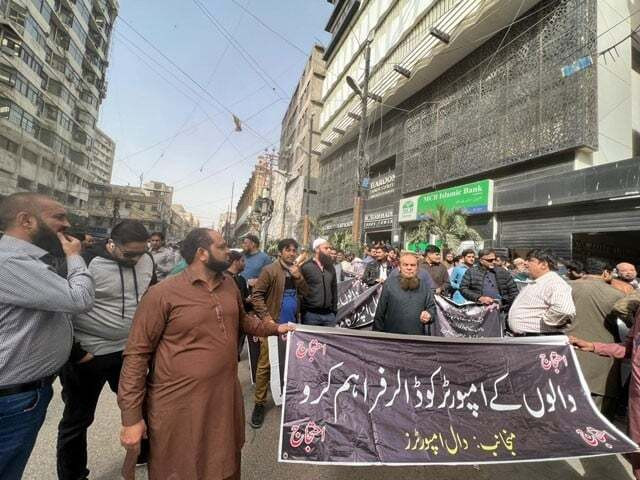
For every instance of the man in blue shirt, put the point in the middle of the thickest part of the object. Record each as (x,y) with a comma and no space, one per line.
(468,260)
(254,259)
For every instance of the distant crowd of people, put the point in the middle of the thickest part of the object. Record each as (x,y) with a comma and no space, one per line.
(164,329)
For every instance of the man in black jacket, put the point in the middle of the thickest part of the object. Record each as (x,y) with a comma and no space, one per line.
(485,284)
(320,304)
(378,271)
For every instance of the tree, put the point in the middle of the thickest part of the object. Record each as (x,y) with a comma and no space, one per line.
(315,229)
(449,226)
(343,241)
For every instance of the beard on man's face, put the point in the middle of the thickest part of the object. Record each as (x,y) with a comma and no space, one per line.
(46,239)
(325,260)
(409,283)
(216,265)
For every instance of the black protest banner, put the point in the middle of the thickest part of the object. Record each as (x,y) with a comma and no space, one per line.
(467,320)
(343,288)
(366,398)
(357,306)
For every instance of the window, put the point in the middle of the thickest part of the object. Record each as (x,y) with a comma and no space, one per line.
(142,207)
(7,75)
(25,183)
(154,208)
(11,45)
(8,145)
(48,165)
(127,204)
(29,156)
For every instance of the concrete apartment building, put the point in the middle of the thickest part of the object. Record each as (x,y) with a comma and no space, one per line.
(151,204)
(53,62)
(294,144)
(247,218)
(181,223)
(104,152)
(524,114)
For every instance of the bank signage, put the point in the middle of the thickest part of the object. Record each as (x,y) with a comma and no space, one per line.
(476,197)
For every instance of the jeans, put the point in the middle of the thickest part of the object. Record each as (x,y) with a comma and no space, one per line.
(21,416)
(81,387)
(319,319)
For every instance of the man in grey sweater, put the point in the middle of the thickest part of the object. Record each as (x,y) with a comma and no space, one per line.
(406,303)
(122,270)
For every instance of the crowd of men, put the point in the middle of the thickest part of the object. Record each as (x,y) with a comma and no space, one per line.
(164,330)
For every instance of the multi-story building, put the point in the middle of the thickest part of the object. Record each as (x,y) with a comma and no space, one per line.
(225,225)
(299,123)
(525,114)
(104,151)
(182,222)
(109,204)
(248,219)
(53,62)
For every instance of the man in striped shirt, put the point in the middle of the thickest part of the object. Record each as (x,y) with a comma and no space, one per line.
(544,307)
(35,326)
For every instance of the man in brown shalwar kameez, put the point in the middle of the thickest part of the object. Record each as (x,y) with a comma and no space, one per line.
(180,368)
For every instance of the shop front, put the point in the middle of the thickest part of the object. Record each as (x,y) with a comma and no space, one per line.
(338,224)
(474,199)
(378,226)
(592,212)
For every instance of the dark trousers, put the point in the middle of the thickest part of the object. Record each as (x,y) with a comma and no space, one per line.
(81,388)
(21,416)
(319,319)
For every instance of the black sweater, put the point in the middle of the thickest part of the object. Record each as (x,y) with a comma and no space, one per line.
(399,310)
(323,289)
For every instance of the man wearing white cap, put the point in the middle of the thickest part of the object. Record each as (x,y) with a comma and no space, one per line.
(320,304)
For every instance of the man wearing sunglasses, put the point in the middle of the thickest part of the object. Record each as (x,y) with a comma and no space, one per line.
(122,270)
(486,284)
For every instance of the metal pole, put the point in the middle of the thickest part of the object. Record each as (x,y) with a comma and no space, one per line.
(358,204)
(228,222)
(267,218)
(307,180)
(284,205)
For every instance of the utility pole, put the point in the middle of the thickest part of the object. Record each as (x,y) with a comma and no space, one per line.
(228,222)
(267,202)
(306,234)
(362,164)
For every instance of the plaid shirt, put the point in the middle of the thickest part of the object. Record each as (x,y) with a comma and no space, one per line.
(35,302)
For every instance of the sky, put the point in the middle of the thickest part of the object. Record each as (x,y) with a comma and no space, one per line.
(175,79)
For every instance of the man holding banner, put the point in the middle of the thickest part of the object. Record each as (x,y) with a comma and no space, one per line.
(275,297)
(406,304)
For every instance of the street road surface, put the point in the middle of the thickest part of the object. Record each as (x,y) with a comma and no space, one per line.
(259,454)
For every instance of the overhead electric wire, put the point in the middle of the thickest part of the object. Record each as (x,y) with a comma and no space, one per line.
(195,107)
(504,37)
(249,59)
(186,74)
(276,33)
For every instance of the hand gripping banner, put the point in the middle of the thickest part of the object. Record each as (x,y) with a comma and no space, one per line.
(366,398)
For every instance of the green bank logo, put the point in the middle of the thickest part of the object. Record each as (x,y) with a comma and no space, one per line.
(408,207)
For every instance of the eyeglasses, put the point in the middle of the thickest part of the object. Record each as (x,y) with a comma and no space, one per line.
(490,260)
